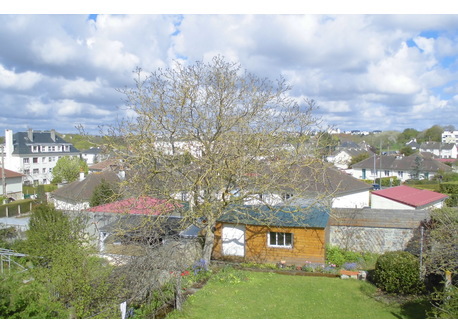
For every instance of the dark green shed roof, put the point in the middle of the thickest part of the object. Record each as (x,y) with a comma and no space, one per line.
(279,216)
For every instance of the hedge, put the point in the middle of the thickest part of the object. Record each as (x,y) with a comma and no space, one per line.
(13,207)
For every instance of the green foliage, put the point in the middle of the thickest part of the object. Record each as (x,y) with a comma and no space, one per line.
(406,151)
(398,272)
(445,303)
(68,169)
(407,135)
(64,269)
(104,193)
(230,275)
(441,253)
(449,187)
(388,181)
(431,134)
(338,256)
(14,207)
(359,158)
(41,195)
(27,300)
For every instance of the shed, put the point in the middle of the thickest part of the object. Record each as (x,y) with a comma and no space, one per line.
(266,234)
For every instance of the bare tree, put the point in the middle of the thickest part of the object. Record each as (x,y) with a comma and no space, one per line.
(212,136)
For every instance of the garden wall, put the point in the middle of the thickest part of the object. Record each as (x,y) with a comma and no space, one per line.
(374,230)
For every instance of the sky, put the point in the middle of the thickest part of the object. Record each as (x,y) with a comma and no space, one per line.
(365,70)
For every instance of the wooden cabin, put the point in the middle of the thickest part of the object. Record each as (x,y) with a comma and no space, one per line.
(271,235)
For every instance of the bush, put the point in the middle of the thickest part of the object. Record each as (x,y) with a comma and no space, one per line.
(398,272)
(338,256)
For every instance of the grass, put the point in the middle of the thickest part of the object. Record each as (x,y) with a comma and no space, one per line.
(257,295)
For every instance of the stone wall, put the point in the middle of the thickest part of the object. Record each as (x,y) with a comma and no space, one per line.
(374,230)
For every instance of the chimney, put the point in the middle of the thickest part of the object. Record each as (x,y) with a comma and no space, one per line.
(30,134)
(9,147)
(53,135)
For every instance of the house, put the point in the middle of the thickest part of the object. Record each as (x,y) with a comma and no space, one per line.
(405,197)
(35,154)
(413,144)
(271,234)
(450,137)
(440,149)
(93,155)
(415,166)
(343,157)
(77,195)
(107,165)
(336,188)
(11,184)
(142,220)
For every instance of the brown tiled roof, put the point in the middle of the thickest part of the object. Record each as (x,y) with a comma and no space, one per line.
(11,174)
(81,190)
(110,164)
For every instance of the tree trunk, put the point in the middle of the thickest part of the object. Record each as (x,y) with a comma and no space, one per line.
(209,240)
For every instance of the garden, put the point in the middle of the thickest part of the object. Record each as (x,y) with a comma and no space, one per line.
(310,291)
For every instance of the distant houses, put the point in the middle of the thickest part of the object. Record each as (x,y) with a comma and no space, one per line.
(415,166)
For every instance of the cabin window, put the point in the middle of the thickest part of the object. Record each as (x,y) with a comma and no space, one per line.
(280,239)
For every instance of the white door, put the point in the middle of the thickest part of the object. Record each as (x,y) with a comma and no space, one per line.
(233,240)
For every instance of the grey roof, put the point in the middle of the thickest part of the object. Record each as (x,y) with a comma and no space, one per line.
(406,163)
(93,150)
(356,151)
(279,216)
(140,224)
(22,142)
(81,190)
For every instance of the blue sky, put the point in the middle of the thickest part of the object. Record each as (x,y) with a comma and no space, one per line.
(367,72)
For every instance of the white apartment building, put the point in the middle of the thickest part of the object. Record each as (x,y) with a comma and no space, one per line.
(35,154)
(450,137)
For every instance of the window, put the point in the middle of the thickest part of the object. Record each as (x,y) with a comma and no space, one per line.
(400,174)
(44,170)
(280,239)
(35,160)
(35,149)
(36,171)
(43,160)
(25,160)
(286,196)
(387,173)
(26,171)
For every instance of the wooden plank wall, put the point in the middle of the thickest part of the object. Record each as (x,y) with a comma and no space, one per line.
(308,245)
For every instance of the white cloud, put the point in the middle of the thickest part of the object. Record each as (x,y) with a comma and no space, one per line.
(357,67)
(19,81)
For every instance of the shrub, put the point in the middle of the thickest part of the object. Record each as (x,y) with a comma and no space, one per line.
(398,272)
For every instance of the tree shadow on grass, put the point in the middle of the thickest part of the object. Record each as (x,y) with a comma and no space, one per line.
(415,309)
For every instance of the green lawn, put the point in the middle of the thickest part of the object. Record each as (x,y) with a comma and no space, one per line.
(276,296)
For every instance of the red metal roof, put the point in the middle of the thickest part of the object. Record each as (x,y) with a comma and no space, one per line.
(141,206)
(410,196)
